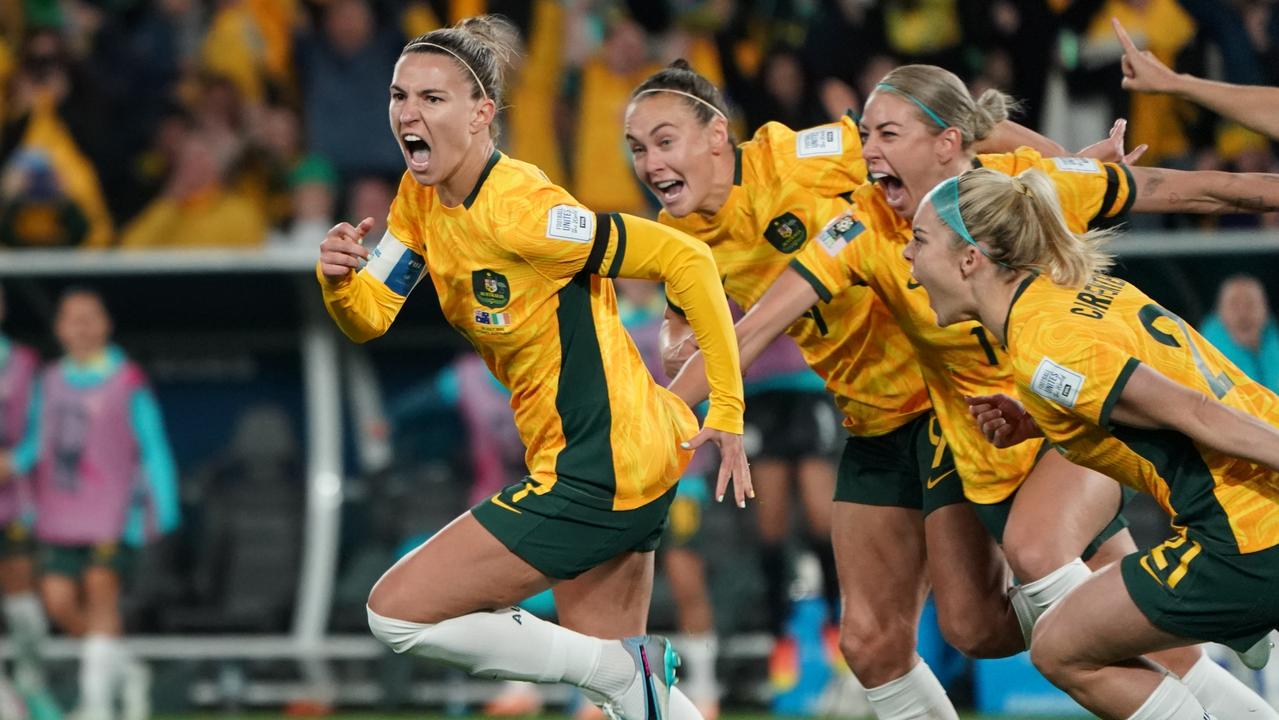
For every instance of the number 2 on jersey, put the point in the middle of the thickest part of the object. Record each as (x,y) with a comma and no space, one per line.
(1219,383)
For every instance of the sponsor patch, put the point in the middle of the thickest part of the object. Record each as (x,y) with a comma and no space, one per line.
(569,222)
(491,289)
(786,232)
(839,232)
(1077,164)
(1057,383)
(819,141)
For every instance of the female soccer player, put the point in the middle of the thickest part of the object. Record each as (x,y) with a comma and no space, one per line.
(522,272)
(920,125)
(1120,385)
(104,484)
(755,205)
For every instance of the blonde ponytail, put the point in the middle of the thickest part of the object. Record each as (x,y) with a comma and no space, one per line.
(1021,222)
(485,46)
(944,101)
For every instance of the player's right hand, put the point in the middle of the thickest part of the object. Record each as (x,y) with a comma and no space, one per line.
(1003,420)
(1143,72)
(341,251)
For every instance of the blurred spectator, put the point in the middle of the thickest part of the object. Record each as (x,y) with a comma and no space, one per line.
(529,132)
(251,42)
(1244,330)
(783,90)
(313,184)
(50,195)
(197,207)
(370,196)
(927,31)
(1016,39)
(602,174)
(343,70)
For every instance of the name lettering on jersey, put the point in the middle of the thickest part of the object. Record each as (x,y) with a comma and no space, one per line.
(819,141)
(786,232)
(1077,164)
(491,289)
(1057,383)
(395,265)
(1095,298)
(569,222)
(839,232)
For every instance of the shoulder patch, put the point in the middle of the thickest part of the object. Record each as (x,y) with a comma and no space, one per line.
(819,141)
(1077,164)
(839,232)
(1057,383)
(786,232)
(569,222)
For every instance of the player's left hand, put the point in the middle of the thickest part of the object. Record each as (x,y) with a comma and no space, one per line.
(732,463)
(1112,148)
(1003,420)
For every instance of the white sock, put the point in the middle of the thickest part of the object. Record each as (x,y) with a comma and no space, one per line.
(1223,695)
(1170,701)
(697,673)
(681,708)
(24,616)
(98,668)
(512,644)
(917,695)
(1048,590)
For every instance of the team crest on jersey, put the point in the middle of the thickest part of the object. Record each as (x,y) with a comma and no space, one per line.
(839,232)
(786,232)
(491,289)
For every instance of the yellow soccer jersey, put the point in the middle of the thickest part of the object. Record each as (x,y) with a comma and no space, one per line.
(865,248)
(786,186)
(517,268)
(1092,193)
(1074,349)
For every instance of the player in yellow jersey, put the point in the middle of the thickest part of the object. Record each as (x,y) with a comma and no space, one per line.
(522,271)
(919,128)
(899,520)
(1120,385)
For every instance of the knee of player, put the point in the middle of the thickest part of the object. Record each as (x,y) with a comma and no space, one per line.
(1031,558)
(977,635)
(1050,653)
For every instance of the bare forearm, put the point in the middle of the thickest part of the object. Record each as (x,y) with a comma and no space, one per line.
(1161,190)
(1231,432)
(1008,136)
(1253,106)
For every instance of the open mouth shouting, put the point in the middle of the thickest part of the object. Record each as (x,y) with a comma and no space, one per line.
(893,188)
(417,151)
(669,191)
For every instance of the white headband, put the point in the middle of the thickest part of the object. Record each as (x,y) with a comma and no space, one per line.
(465,64)
(714,109)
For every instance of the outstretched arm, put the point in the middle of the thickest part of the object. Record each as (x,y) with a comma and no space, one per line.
(1204,192)
(1008,136)
(1151,400)
(786,300)
(1253,106)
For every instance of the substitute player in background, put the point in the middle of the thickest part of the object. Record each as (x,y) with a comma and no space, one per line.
(104,484)
(23,613)
(522,271)
(1121,385)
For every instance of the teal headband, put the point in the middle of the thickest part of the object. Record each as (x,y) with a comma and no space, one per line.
(927,110)
(945,200)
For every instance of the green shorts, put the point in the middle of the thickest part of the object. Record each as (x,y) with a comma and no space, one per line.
(561,536)
(16,540)
(995,517)
(684,528)
(72,560)
(909,467)
(1197,593)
